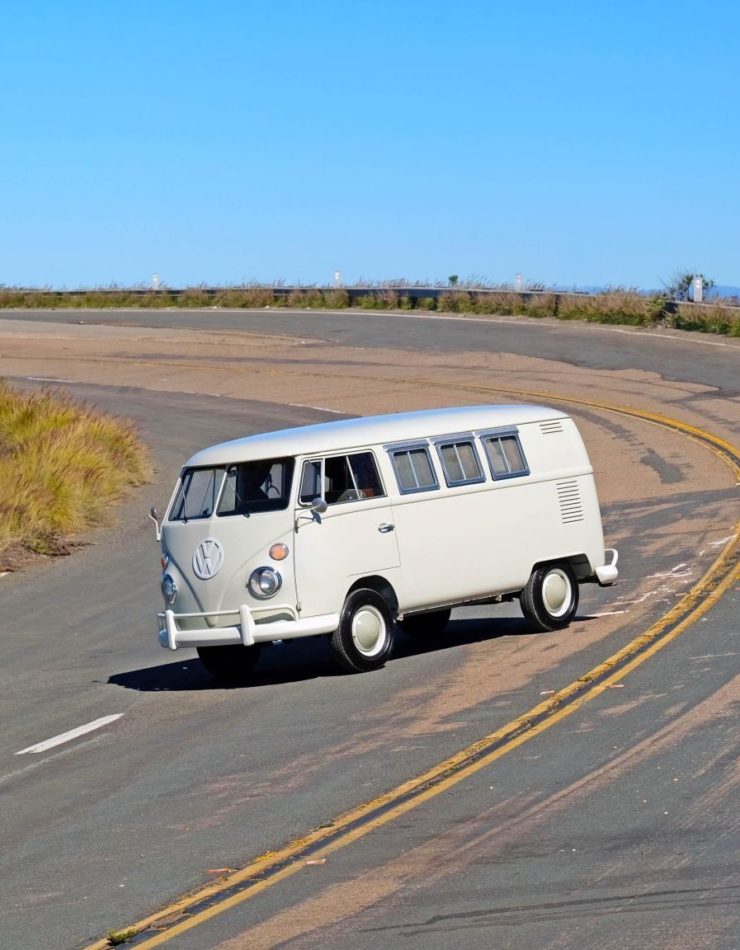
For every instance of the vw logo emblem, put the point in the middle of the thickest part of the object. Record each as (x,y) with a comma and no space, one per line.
(208,558)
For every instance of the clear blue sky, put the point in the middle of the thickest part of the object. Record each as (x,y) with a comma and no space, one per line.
(577,143)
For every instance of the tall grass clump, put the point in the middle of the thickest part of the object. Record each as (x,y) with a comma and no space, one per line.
(314,297)
(247,297)
(708,318)
(619,307)
(383,299)
(516,304)
(62,466)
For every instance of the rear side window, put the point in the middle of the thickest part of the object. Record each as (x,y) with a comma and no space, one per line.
(460,462)
(505,455)
(413,468)
(341,478)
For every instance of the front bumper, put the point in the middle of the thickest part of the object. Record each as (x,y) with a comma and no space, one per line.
(246,631)
(608,573)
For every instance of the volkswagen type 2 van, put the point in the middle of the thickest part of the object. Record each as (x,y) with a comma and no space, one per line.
(350,527)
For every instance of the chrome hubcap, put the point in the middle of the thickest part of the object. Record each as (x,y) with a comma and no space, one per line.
(368,630)
(556,592)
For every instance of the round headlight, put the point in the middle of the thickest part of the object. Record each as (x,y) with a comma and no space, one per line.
(264,582)
(169,588)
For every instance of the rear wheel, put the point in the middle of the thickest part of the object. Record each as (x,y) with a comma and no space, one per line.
(425,626)
(550,599)
(364,638)
(230,664)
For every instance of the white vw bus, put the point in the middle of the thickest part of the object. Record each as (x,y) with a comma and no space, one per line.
(347,527)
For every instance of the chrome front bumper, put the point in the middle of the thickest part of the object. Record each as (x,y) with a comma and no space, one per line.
(246,631)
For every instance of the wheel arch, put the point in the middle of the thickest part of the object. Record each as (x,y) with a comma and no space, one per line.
(578,562)
(381,586)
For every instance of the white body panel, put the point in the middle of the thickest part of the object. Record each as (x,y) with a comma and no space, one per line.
(345,543)
(245,542)
(426,548)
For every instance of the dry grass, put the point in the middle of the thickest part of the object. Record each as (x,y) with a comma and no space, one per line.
(62,466)
(621,307)
(708,318)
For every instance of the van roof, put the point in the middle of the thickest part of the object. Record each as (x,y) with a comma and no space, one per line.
(369,430)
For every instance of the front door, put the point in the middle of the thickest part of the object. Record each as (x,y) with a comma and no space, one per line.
(354,537)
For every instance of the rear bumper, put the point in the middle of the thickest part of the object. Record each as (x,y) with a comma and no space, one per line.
(608,573)
(245,631)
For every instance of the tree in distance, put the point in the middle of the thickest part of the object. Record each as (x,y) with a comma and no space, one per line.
(680,287)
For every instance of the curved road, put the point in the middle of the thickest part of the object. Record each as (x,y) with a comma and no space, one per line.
(615,827)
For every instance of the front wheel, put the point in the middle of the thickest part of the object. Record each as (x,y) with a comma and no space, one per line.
(364,638)
(230,664)
(550,599)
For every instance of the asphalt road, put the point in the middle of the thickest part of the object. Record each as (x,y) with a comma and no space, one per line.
(696,358)
(615,828)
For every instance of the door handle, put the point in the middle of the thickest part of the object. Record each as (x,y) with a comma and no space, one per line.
(385,527)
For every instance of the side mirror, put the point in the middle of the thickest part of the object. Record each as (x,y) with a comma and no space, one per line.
(319,506)
(154,516)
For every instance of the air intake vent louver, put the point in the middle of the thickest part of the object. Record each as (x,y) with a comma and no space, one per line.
(569,497)
(550,428)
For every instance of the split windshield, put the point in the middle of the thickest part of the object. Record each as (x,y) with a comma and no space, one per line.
(242,489)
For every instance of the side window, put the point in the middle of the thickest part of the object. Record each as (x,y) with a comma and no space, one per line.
(311,482)
(505,455)
(460,462)
(413,468)
(341,478)
(337,479)
(365,473)
(351,478)
(251,487)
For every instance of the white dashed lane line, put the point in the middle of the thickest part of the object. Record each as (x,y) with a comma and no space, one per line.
(69,736)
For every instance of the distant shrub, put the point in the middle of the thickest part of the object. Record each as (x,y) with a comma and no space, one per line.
(613,307)
(497,303)
(707,318)
(336,299)
(455,302)
(195,297)
(382,299)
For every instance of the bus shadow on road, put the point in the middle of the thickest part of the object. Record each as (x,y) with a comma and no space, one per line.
(311,658)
